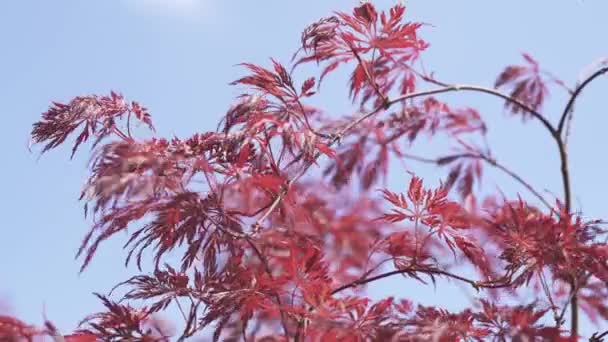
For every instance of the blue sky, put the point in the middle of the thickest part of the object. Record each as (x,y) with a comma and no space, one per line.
(177,58)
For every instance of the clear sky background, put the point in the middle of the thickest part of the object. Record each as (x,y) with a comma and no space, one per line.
(177,58)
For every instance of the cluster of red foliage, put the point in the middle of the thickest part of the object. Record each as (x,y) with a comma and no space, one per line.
(270,255)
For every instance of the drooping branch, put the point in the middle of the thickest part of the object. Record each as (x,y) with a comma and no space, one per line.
(337,136)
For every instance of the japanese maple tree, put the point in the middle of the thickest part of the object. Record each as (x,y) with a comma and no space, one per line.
(279,219)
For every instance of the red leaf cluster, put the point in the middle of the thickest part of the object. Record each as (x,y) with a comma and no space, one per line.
(97,115)
(237,231)
(526,84)
(343,38)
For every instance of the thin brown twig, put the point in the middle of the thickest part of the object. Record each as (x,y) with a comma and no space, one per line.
(547,292)
(563,156)
(431,271)
(181,309)
(568,302)
(129,125)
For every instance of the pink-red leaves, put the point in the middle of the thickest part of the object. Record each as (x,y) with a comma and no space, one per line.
(81,337)
(380,49)
(122,322)
(277,83)
(307,86)
(96,114)
(533,240)
(432,324)
(12,329)
(465,172)
(521,323)
(351,319)
(162,286)
(397,200)
(366,15)
(443,218)
(430,207)
(258,239)
(526,85)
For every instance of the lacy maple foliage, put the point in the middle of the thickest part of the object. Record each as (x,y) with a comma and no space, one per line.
(271,251)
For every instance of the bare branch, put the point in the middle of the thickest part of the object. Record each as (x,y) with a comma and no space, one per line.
(575,94)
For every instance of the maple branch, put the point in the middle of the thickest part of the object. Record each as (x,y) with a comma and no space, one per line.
(431,271)
(566,179)
(190,328)
(520,180)
(337,136)
(490,91)
(575,94)
(120,134)
(461,87)
(568,302)
(563,156)
(258,225)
